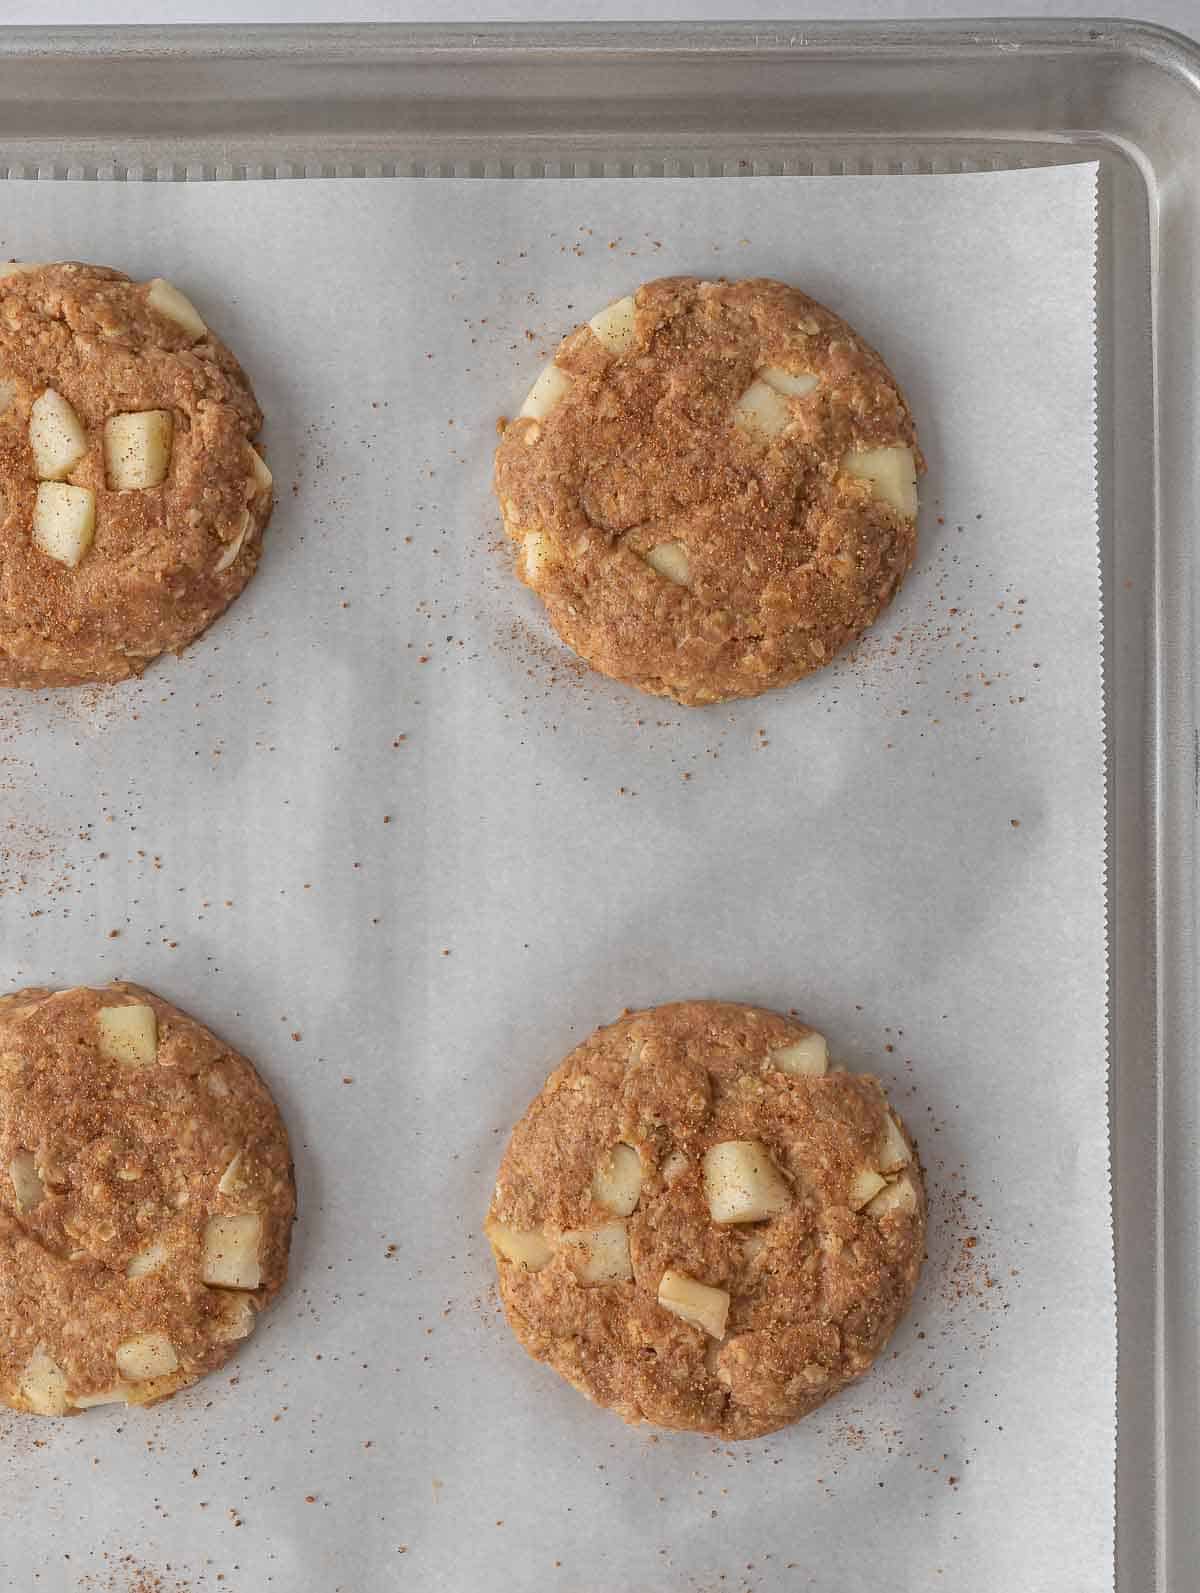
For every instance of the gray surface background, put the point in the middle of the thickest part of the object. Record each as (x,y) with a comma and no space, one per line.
(1181,14)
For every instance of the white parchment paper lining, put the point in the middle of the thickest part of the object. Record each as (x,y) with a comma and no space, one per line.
(379,834)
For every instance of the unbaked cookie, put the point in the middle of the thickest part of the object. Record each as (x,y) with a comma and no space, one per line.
(132,499)
(700,1223)
(146,1199)
(712,488)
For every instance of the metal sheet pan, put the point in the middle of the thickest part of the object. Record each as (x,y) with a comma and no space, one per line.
(191,104)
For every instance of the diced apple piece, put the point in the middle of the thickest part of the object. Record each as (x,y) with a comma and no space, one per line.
(27,1185)
(761,412)
(899,1196)
(895,1153)
(540,553)
(616,325)
(259,474)
(892,473)
(604,1253)
(528,1248)
(148,1355)
(742,1183)
(793,384)
(64,521)
(237,1318)
(231,1179)
(166,298)
(234,547)
(815,1375)
(128,1035)
(617,1184)
(118,1394)
(56,437)
(674,1167)
(697,1303)
(137,449)
(864,1186)
(42,1385)
(8,394)
(147,1261)
(807,1058)
(230,1258)
(670,560)
(552,385)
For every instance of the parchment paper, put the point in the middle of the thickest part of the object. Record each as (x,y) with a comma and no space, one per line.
(377,831)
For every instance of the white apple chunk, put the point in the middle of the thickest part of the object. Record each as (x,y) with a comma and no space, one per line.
(896,1152)
(137,449)
(64,521)
(118,1394)
(698,1304)
(56,437)
(617,1182)
(42,1385)
(742,1183)
(234,547)
(674,1167)
(128,1035)
(552,385)
(670,560)
(898,1197)
(807,1058)
(604,1253)
(616,325)
(27,1184)
(260,475)
(232,1178)
(761,412)
(166,298)
(230,1252)
(793,384)
(149,1355)
(864,1186)
(147,1261)
(892,473)
(540,554)
(237,1318)
(712,1359)
(526,1247)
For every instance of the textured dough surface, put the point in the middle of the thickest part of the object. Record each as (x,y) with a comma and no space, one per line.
(790,556)
(129,1159)
(150,580)
(815,1291)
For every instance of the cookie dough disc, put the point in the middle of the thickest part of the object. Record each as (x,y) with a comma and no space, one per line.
(132,500)
(712,488)
(146,1199)
(700,1223)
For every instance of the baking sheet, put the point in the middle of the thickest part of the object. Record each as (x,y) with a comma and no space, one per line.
(378,831)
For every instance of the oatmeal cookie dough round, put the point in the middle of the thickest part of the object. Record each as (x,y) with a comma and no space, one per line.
(146,1199)
(700,1223)
(712,488)
(132,499)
